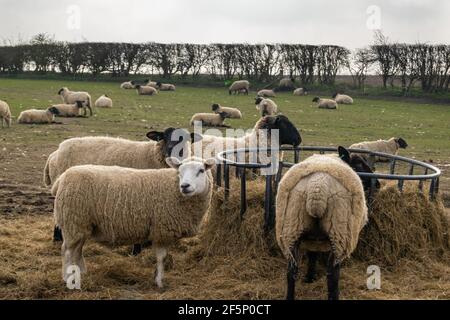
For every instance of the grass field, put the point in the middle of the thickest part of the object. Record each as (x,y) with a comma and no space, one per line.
(29,262)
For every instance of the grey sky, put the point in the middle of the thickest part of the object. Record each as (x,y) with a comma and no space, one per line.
(341,22)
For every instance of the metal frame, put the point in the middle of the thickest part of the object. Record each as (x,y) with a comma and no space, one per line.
(431,174)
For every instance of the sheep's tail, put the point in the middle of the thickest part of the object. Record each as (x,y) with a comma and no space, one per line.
(316,199)
(47,179)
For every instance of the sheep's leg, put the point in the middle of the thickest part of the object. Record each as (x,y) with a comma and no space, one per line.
(333,271)
(292,275)
(57,234)
(160,255)
(312,263)
(77,256)
(137,249)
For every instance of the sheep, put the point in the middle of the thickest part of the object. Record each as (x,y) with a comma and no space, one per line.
(118,206)
(146,90)
(118,152)
(342,98)
(320,207)
(104,102)
(232,113)
(38,116)
(300,92)
(210,119)
(5,114)
(151,83)
(165,86)
(325,103)
(266,106)
(287,84)
(71,97)
(266,93)
(390,146)
(127,85)
(239,85)
(69,110)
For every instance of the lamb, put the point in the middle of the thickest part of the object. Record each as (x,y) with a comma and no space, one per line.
(232,113)
(390,146)
(5,114)
(119,206)
(127,85)
(210,119)
(69,110)
(320,207)
(325,103)
(300,92)
(342,98)
(286,84)
(165,86)
(267,107)
(104,102)
(146,90)
(71,97)
(239,85)
(38,116)
(266,93)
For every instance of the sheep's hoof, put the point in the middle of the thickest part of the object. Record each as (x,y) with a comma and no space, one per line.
(309,278)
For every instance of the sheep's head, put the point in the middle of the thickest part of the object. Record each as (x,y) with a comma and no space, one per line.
(215,107)
(401,143)
(53,110)
(335,95)
(62,90)
(316,99)
(358,164)
(193,174)
(258,100)
(158,84)
(174,142)
(288,133)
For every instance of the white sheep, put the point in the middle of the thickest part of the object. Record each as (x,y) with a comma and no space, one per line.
(266,93)
(342,98)
(232,113)
(239,85)
(127,85)
(287,84)
(300,92)
(104,102)
(151,83)
(325,103)
(119,206)
(146,90)
(69,110)
(210,119)
(165,86)
(320,207)
(71,97)
(38,116)
(390,146)
(266,106)
(5,114)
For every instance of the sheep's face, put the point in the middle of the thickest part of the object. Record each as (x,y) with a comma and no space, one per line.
(193,174)
(316,99)
(258,100)
(288,133)
(215,107)
(62,90)
(401,143)
(174,142)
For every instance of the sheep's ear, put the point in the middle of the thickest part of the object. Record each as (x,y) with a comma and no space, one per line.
(155,135)
(173,162)
(344,154)
(195,137)
(210,163)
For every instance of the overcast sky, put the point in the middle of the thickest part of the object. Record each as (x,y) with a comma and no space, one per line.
(344,22)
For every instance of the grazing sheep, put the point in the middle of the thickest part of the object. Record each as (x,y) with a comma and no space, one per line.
(325,103)
(342,98)
(210,119)
(390,146)
(5,114)
(239,85)
(320,207)
(127,85)
(38,116)
(286,84)
(119,206)
(232,113)
(146,90)
(266,93)
(104,102)
(165,86)
(266,106)
(69,110)
(300,92)
(71,97)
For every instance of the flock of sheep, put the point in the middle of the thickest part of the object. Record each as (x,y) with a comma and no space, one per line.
(119,191)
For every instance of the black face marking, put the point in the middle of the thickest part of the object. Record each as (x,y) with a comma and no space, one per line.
(316,99)
(401,143)
(60,90)
(358,164)
(215,107)
(201,171)
(258,100)
(288,133)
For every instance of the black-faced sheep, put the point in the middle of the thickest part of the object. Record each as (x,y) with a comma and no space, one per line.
(266,93)
(165,86)
(300,92)
(71,97)
(146,90)
(232,113)
(390,146)
(127,85)
(286,84)
(104,102)
(5,114)
(69,110)
(119,206)
(267,107)
(239,85)
(38,116)
(210,119)
(325,103)
(342,98)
